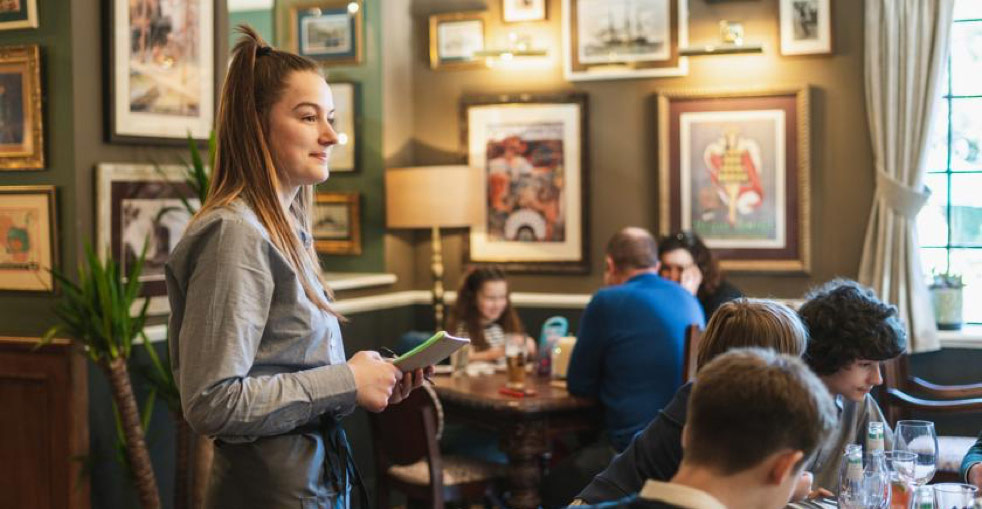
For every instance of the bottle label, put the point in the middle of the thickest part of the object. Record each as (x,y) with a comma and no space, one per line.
(854,470)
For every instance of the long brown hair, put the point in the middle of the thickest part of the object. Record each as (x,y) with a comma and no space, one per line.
(244,167)
(466,314)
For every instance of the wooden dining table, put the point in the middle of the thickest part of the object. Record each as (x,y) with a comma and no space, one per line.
(525,425)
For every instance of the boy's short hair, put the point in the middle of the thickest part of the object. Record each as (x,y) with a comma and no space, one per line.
(847,322)
(749,403)
(752,322)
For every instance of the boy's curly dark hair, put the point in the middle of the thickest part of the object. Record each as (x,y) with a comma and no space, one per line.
(847,322)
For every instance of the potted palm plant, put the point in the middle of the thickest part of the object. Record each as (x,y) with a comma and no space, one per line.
(946,296)
(96,313)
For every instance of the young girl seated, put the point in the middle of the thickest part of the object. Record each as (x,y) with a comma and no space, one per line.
(484,314)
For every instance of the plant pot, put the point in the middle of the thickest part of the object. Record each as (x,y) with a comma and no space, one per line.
(947,307)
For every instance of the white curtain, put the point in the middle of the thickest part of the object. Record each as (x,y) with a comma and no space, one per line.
(906,51)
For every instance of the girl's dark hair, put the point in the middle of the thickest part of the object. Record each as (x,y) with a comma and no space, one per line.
(711,273)
(244,166)
(847,322)
(466,314)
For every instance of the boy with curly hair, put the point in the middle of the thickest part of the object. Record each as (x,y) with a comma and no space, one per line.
(851,332)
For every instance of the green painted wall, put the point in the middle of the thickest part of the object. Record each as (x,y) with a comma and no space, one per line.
(261,20)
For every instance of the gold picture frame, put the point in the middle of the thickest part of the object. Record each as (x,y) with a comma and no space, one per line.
(21,132)
(454,40)
(329,31)
(28,238)
(337,223)
(751,201)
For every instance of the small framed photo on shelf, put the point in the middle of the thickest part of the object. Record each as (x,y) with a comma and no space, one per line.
(328,31)
(515,11)
(161,85)
(619,39)
(337,223)
(344,155)
(140,203)
(28,244)
(734,168)
(532,153)
(17,14)
(21,132)
(455,39)
(806,27)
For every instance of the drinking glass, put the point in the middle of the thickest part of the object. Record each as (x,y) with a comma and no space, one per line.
(920,438)
(900,464)
(516,352)
(954,496)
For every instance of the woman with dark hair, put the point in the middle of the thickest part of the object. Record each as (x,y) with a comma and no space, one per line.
(686,260)
(483,313)
(256,348)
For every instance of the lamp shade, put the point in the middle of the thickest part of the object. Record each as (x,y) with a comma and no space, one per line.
(428,196)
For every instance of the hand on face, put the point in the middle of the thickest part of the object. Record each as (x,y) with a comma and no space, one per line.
(691,279)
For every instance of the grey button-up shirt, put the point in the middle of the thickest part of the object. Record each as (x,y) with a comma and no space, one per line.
(251,354)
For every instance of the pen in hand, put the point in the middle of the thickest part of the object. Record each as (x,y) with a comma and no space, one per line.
(389,354)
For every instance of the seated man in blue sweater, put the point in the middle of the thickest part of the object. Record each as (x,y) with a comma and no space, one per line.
(628,354)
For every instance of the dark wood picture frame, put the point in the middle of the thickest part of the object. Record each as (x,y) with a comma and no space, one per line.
(18,274)
(790,249)
(350,242)
(535,109)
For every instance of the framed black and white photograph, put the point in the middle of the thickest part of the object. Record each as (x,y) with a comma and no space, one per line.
(161,71)
(337,223)
(455,39)
(806,27)
(17,14)
(140,203)
(516,11)
(328,31)
(615,39)
(344,155)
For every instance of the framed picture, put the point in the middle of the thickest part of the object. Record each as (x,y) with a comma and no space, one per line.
(21,132)
(523,10)
(136,204)
(613,39)
(337,223)
(328,31)
(15,14)
(806,27)
(161,71)
(734,168)
(454,40)
(344,155)
(534,158)
(28,248)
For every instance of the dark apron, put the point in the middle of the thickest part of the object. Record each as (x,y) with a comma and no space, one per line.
(307,468)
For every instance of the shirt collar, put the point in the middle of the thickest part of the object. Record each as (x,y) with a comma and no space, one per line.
(679,495)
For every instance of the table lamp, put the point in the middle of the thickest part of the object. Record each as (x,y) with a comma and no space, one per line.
(433,197)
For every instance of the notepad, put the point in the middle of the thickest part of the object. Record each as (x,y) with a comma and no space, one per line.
(430,352)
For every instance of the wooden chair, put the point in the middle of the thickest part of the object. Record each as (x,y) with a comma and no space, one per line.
(690,352)
(407,456)
(904,394)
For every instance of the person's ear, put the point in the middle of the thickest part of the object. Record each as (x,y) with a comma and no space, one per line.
(783,466)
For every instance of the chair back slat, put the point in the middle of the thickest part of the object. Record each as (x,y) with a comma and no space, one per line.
(690,352)
(401,428)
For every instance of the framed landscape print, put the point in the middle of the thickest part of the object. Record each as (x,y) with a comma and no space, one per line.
(21,132)
(27,238)
(161,71)
(454,40)
(513,11)
(734,168)
(337,223)
(532,150)
(344,155)
(15,14)
(806,27)
(136,204)
(328,31)
(612,39)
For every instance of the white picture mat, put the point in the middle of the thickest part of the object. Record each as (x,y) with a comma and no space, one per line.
(686,172)
(479,118)
(821,44)
(343,154)
(459,39)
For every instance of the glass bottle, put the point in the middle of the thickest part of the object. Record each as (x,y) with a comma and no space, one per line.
(874,438)
(876,478)
(923,498)
(852,493)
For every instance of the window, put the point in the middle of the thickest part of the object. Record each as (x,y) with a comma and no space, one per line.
(950,225)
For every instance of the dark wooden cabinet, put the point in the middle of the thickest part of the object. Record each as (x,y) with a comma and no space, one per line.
(44,430)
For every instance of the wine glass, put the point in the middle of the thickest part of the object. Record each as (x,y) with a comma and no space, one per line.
(920,438)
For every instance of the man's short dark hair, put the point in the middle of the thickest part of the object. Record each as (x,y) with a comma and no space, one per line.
(847,322)
(748,404)
(633,248)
